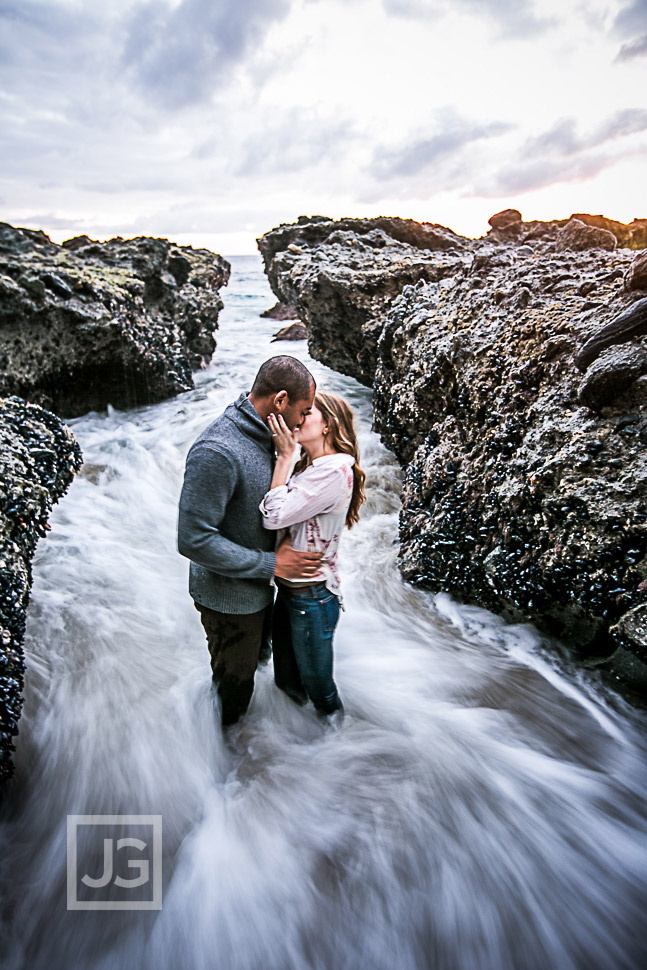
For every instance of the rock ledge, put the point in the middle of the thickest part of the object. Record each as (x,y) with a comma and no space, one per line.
(88,324)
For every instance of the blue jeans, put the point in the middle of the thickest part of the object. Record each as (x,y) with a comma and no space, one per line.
(302,634)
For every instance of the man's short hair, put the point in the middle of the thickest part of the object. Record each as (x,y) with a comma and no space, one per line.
(284,374)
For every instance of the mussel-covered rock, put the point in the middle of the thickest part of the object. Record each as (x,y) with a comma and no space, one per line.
(38,459)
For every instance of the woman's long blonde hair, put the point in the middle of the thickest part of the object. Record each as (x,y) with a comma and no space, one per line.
(342,436)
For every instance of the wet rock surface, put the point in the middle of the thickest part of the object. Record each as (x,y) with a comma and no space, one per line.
(38,459)
(343,277)
(525,461)
(636,278)
(281,312)
(296,331)
(88,324)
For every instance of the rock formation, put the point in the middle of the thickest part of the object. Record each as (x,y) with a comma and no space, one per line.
(281,312)
(295,331)
(88,324)
(38,458)
(510,379)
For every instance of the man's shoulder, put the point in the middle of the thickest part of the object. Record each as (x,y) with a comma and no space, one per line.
(221,437)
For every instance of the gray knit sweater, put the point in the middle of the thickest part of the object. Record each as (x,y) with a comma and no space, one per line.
(228,471)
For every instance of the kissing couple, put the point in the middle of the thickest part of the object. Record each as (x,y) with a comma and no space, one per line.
(250,523)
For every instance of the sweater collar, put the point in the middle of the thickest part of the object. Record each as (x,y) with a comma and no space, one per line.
(246,417)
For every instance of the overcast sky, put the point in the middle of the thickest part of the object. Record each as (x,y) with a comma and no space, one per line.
(211,121)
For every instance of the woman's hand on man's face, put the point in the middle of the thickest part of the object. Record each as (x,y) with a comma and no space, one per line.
(282,437)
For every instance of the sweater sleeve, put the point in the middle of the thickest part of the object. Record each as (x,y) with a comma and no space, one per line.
(314,491)
(209,483)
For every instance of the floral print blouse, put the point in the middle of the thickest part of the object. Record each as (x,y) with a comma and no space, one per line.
(312,507)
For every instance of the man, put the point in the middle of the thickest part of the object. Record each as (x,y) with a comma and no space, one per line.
(228,471)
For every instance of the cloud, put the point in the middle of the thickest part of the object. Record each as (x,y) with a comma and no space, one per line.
(296,141)
(630,121)
(563,139)
(631,19)
(562,154)
(51,220)
(630,24)
(178,116)
(513,17)
(454,135)
(542,172)
(178,55)
(634,48)
(412,8)
(38,37)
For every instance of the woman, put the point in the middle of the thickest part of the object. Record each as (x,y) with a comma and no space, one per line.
(324,492)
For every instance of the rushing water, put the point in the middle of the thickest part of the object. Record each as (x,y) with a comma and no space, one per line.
(482,805)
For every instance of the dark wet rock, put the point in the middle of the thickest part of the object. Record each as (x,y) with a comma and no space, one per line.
(516,495)
(628,663)
(505,219)
(632,235)
(89,324)
(636,277)
(578,236)
(629,324)
(611,374)
(625,666)
(77,242)
(343,276)
(38,458)
(312,231)
(281,311)
(296,331)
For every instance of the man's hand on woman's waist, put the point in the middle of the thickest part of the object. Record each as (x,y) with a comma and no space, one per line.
(291,564)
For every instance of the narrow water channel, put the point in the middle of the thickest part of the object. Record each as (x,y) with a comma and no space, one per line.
(482,807)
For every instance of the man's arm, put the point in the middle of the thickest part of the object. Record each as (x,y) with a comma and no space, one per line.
(209,483)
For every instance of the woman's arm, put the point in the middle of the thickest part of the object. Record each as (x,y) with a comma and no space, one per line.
(316,490)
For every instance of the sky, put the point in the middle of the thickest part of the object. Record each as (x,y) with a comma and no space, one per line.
(211,121)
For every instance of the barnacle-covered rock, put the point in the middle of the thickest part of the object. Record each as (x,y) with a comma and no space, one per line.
(38,459)
(88,324)
(520,493)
